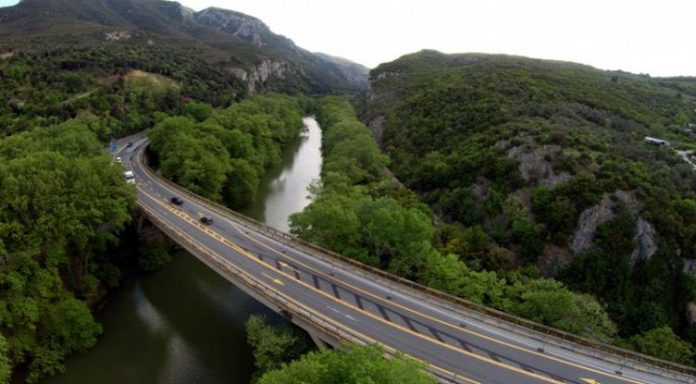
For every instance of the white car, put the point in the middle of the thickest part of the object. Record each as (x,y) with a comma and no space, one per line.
(118,159)
(130,177)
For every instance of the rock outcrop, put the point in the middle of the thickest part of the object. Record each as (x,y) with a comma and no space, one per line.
(590,219)
(645,239)
(245,27)
(117,35)
(6,55)
(262,72)
(535,165)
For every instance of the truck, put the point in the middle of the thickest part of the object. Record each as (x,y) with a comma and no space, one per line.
(130,177)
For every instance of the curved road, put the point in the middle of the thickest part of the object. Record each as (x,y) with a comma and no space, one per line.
(456,347)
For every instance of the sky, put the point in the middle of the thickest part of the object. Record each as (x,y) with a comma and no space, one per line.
(640,36)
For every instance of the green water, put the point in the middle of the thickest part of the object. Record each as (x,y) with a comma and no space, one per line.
(185,324)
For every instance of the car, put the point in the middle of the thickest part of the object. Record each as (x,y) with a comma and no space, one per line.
(130,177)
(207,220)
(176,200)
(129,145)
(118,159)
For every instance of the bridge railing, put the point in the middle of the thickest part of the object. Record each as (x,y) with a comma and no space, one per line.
(330,256)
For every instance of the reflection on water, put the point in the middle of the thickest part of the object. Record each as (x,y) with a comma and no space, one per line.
(283,190)
(185,324)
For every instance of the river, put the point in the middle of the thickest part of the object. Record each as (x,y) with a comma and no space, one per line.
(185,324)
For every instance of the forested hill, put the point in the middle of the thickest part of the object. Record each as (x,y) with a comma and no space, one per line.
(542,167)
(57,56)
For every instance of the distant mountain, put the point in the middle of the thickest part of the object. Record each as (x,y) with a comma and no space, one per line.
(240,45)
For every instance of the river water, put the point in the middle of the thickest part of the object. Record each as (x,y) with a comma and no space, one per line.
(185,324)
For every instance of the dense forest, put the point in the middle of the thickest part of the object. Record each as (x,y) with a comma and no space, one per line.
(539,168)
(114,90)
(221,154)
(63,207)
(361,212)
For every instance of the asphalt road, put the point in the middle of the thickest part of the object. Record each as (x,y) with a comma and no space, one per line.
(448,342)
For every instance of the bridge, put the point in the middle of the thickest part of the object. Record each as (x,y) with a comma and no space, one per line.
(336,299)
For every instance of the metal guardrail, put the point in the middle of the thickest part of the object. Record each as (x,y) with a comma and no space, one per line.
(321,252)
(280,300)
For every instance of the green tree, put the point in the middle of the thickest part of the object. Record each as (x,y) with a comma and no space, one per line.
(331,221)
(664,344)
(353,366)
(275,345)
(5,361)
(242,184)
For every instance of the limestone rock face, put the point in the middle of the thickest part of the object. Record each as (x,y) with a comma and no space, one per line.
(645,239)
(535,161)
(245,27)
(590,219)
(117,35)
(262,72)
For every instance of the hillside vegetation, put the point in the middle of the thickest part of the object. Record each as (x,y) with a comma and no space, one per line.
(62,59)
(222,154)
(361,213)
(542,166)
(238,44)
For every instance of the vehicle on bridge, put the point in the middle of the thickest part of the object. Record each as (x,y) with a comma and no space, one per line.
(176,200)
(207,220)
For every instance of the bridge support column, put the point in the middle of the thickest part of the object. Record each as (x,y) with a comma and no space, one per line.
(141,222)
(318,341)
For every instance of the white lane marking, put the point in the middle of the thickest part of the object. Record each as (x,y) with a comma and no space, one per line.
(349,317)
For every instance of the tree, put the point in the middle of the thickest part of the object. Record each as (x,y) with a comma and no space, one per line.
(331,221)
(5,362)
(548,302)
(198,111)
(399,236)
(241,186)
(664,344)
(450,275)
(275,345)
(356,365)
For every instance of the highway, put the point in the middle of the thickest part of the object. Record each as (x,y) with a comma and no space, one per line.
(457,345)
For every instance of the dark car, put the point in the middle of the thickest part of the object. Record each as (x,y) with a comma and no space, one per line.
(129,145)
(176,200)
(206,220)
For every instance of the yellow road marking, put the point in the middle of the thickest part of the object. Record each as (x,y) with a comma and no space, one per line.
(277,281)
(241,251)
(589,381)
(413,311)
(449,374)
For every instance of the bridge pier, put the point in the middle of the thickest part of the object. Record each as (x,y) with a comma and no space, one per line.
(148,232)
(316,338)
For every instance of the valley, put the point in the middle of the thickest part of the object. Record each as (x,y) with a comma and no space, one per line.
(556,196)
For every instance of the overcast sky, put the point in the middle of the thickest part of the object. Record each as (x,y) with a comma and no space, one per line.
(646,36)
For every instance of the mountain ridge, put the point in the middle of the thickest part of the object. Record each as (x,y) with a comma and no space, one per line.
(230,39)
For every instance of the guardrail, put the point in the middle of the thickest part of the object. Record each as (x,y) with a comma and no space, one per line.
(333,256)
(283,302)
